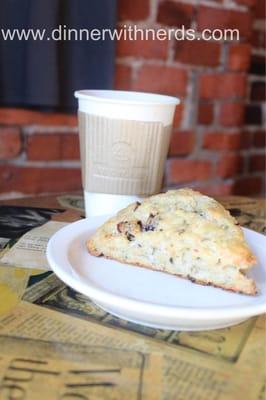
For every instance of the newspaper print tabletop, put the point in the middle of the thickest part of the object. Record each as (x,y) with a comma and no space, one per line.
(56,344)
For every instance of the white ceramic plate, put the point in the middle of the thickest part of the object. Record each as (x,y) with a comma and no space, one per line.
(152,298)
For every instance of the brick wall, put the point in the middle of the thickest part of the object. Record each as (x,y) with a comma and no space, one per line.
(218,140)
(39,152)
(253,152)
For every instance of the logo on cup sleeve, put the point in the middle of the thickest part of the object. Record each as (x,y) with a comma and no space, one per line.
(122,152)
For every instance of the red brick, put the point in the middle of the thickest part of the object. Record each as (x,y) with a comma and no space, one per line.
(181,171)
(198,52)
(205,113)
(253,114)
(229,165)
(222,86)
(10,142)
(152,49)
(122,77)
(257,66)
(257,162)
(53,147)
(215,18)
(246,139)
(214,189)
(182,143)
(231,114)
(175,14)
(249,3)
(222,141)
(248,185)
(178,115)
(258,38)
(259,139)
(38,180)
(20,116)
(258,91)
(260,9)
(239,57)
(161,79)
(133,10)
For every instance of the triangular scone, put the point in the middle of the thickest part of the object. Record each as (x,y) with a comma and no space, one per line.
(181,232)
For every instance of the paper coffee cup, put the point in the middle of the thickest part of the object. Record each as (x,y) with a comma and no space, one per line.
(124,140)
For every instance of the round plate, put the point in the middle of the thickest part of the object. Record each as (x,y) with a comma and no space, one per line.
(149,297)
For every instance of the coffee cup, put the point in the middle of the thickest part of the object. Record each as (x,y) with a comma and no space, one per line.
(124,140)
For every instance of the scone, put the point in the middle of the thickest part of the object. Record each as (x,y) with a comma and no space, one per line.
(183,233)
